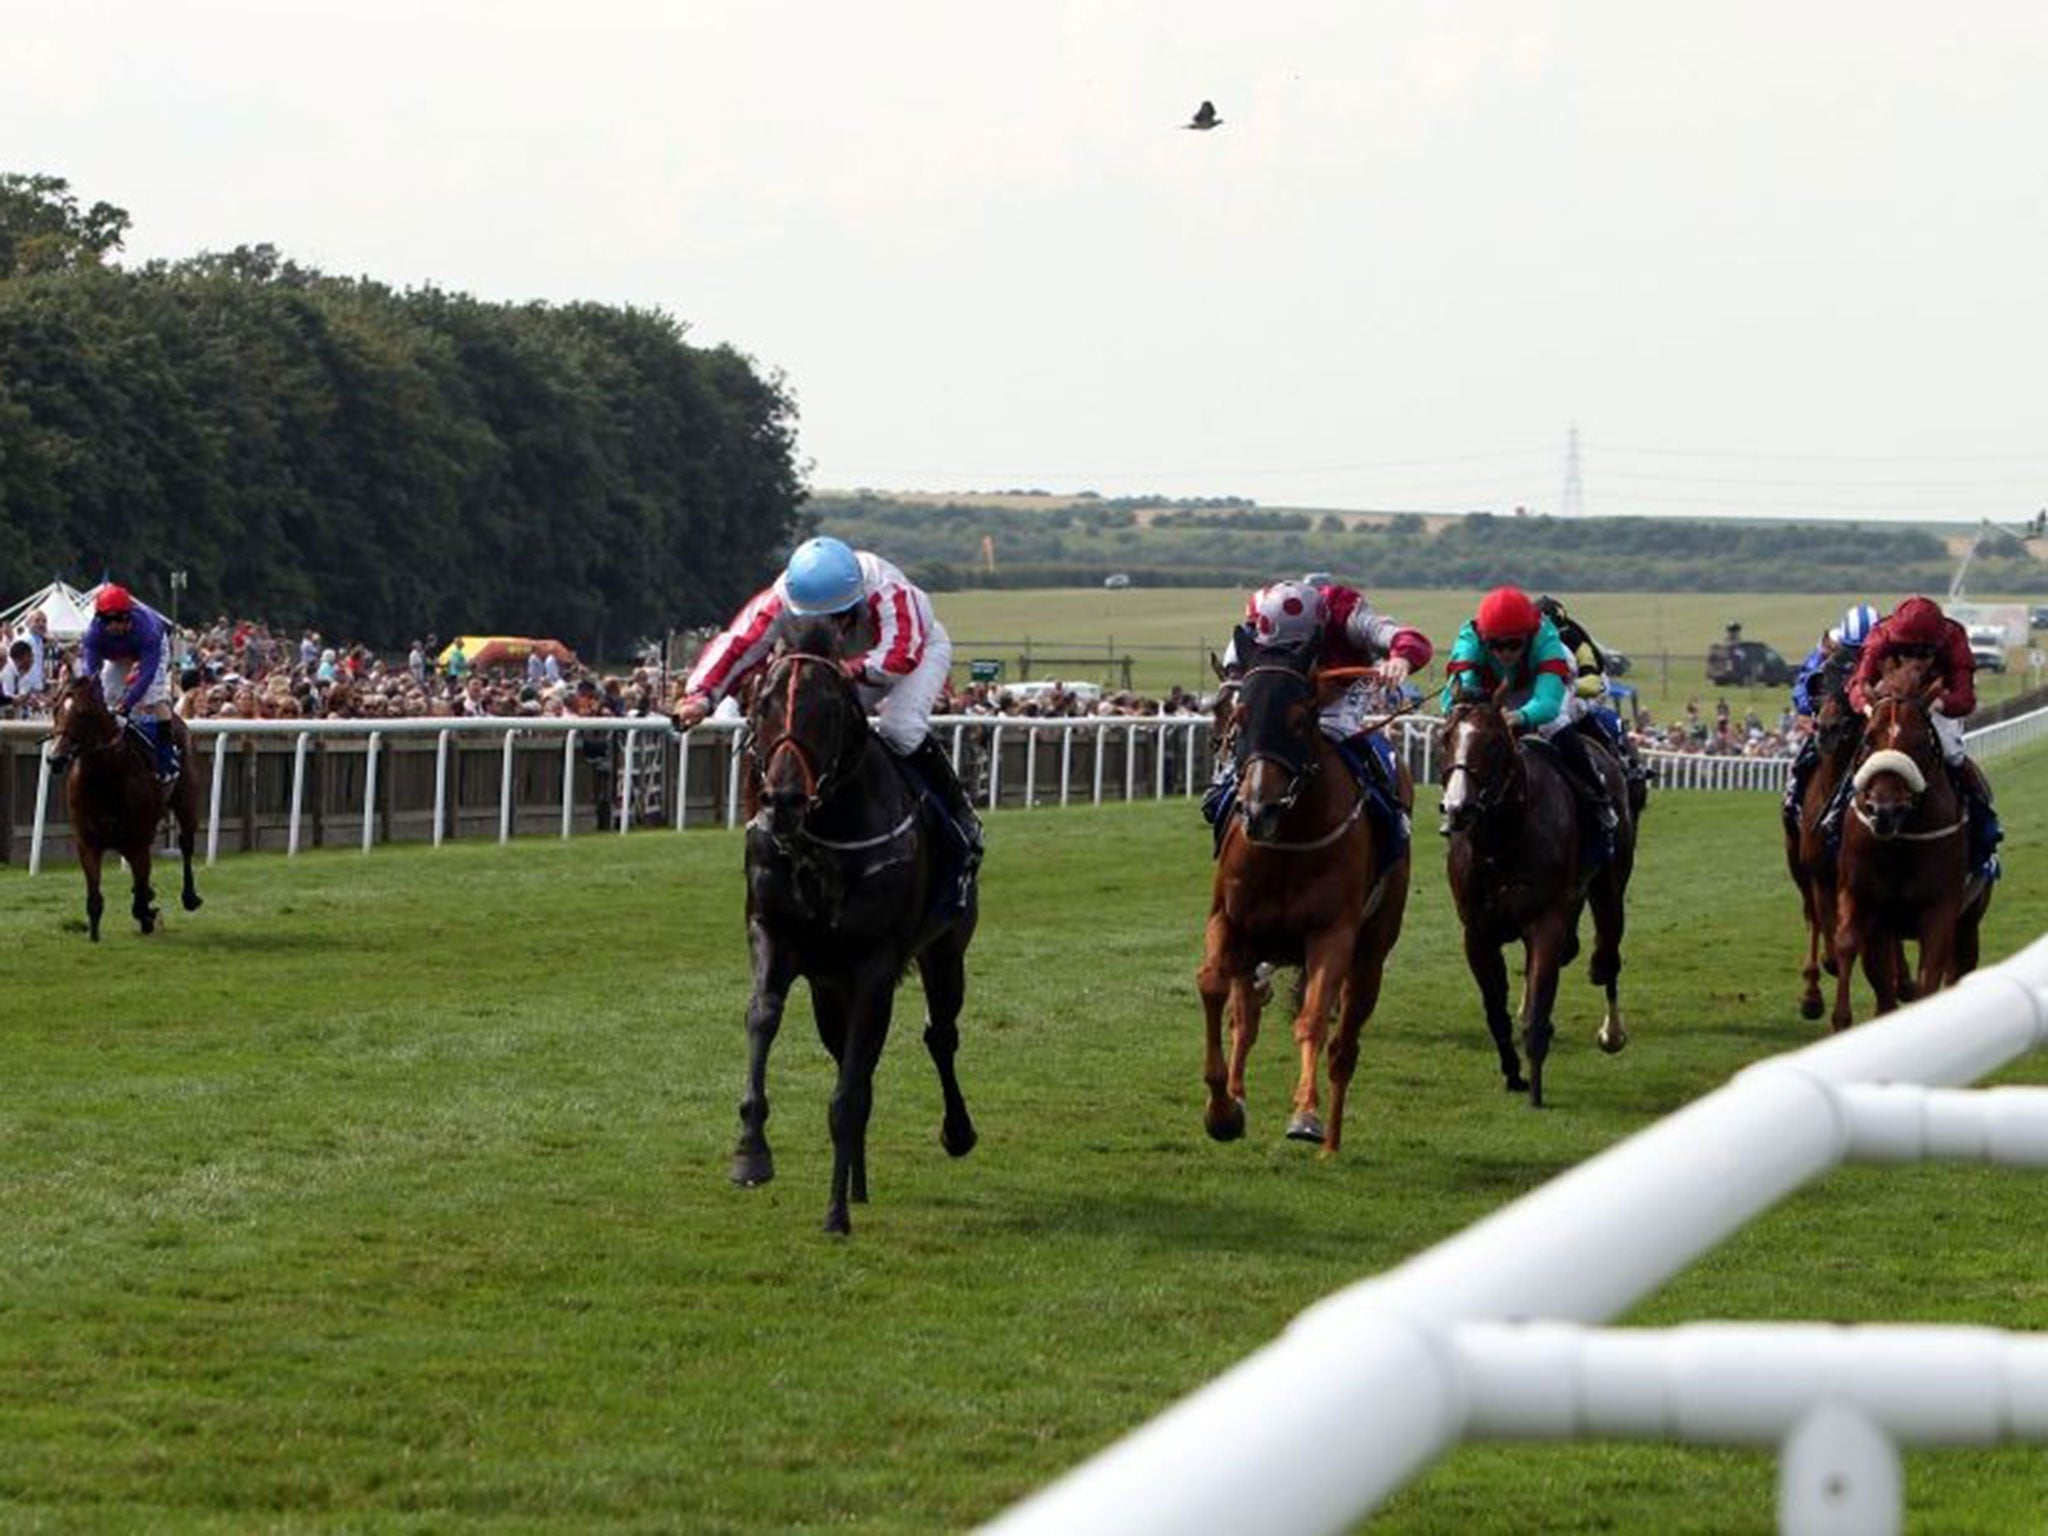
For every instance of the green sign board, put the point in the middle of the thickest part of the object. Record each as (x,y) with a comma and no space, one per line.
(984,669)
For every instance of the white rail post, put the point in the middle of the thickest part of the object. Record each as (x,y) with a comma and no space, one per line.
(569,781)
(1194,746)
(370,790)
(959,732)
(1839,1475)
(1130,761)
(505,792)
(1101,737)
(441,786)
(1066,762)
(213,796)
(1159,760)
(732,783)
(35,840)
(299,746)
(995,765)
(682,778)
(1031,767)
(626,784)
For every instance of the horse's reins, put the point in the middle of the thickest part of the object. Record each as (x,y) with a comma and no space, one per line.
(1301,776)
(816,782)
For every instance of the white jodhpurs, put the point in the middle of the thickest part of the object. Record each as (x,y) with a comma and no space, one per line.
(114,676)
(903,718)
(1950,734)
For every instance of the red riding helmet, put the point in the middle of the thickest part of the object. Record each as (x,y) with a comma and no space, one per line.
(113,599)
(1506,613)
(1917,621)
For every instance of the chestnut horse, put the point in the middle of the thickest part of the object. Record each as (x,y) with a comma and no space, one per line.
(1517,872)
(1838,733)
(842,855)
(1904,868)
(1297,883)
(115,799)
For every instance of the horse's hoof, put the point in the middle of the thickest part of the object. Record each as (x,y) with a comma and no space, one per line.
(1305,1125)
(752,1169)
(837,1222)
(193,901)
(1613,1041)
(958,1141)
(1229,1124)
(1811,1007)
(1514,1082)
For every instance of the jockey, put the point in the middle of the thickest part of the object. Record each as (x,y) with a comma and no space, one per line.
(1842,645)
(1509,641)
(124,643)
(1346,631)
(1590,684)
(1918,628)
(902,657)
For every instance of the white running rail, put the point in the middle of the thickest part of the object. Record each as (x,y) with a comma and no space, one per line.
(1489,1335)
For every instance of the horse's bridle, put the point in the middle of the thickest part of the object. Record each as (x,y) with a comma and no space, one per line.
(817,779)
(1486,798)
(1301,773)
(1892,703)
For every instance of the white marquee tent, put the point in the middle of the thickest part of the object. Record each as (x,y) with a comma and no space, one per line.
(67,608)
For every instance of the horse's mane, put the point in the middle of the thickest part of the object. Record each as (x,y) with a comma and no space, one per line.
(813,635)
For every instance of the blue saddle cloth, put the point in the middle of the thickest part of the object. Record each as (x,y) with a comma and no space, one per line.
(1375,776)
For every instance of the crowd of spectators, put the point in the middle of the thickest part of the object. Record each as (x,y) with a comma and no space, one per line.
(240,669)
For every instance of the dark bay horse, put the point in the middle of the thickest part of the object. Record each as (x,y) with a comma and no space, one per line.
(842,854)
(1517,871)
(115,800)
(1904,867)
(1297,883)
(1838,734)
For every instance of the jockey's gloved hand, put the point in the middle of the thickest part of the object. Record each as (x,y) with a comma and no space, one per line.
(692,711)
(1513,719)
(1394,671)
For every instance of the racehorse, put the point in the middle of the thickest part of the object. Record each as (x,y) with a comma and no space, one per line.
(1838,734)
(115,800)
(1517,871)
(1904,867)
(1297,883)
(842,857)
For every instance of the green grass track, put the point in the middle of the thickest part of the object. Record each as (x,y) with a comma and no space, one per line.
(387,1193)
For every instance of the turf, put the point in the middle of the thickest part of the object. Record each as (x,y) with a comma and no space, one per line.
(387,1193)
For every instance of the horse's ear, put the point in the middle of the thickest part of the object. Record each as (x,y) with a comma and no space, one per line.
(1216,666)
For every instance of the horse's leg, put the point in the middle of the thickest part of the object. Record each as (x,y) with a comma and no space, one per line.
(185,801)
(1224,1115)
(1938,945)
(1326,961)
(1490,971)
(89,860)
(1883,960)
(774,970)
(1610,918)
(144,903)
(871,999)
(1539,983)
(1848,946)
(1964,957)
(943,968)
(1361,996)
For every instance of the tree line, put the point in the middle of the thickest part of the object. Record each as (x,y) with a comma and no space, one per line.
(313,449)
(1171,546)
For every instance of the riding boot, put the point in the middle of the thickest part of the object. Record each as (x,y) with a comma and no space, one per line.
(1578,762)
(1795,787)
(1379,771)
(1985,832)
(936,769)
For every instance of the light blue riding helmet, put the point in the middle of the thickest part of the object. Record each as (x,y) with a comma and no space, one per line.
(824,576)
(1856,625)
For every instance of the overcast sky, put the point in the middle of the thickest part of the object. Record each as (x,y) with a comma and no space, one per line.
(1770,257)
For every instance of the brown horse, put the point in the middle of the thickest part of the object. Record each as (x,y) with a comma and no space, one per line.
(1838,734)
(1517,872)
(115,799)
(1297,883)
(1904,868)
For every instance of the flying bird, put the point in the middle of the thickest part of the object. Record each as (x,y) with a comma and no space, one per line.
(1205,117)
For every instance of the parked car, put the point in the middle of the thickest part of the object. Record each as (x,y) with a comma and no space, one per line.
(1117,581)
(2037,616)
(1736,662)
(1987,647)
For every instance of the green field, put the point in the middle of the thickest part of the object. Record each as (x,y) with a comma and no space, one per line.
(387,1193)
(1169,632)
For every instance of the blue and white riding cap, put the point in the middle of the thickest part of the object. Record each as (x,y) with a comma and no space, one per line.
(824,576)
(1855,628)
